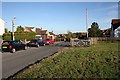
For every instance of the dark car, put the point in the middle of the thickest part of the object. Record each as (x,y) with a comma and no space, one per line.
(49,41)
(13,46)
(36,43)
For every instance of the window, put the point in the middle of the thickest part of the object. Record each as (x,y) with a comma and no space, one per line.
(6,42)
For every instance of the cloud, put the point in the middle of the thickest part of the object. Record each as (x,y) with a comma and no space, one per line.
(111,7)
(107,8)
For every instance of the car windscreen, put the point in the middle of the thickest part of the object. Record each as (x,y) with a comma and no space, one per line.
(17,42)
(40,40)
(33,41)
(47,39)
(6,42)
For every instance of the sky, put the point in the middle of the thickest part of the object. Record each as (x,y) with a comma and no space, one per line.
(59,17)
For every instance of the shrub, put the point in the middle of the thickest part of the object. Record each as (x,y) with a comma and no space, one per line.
(20,36)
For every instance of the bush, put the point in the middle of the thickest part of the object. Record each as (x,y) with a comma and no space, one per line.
(0,37)
(7,36)
(20,36)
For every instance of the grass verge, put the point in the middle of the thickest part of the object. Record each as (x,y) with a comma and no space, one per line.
(98,61)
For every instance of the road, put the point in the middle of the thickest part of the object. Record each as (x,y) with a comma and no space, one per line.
(14,62)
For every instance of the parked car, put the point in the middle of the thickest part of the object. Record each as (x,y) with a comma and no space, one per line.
(36,43)
(13,46)
(49,41)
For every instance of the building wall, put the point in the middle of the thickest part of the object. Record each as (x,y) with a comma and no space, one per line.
(48,34)
(117,32)
(2,26)
(44,36)
(52,37)
(26,30)
(39,36)
(34,29)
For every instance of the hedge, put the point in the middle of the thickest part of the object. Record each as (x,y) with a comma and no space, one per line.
(20,36)
(0,37)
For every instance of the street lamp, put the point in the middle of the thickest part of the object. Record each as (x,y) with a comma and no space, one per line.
(13,37)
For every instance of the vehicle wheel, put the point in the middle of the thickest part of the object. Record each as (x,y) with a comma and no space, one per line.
(25,47)
(13,50)
(28,46)
(43,44)
(38,46)
(2,51)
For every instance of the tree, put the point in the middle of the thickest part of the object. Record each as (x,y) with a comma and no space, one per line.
(76,35)
(61,36)
(20,29)
(6,30)
(94,31)
(69,34)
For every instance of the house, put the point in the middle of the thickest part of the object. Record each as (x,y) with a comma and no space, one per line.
(79,35)
(2,27)
(106,32)
(52,35)
(83,35)
(117,32)
(42,34)
(38,34)
(115,24)
(29,29)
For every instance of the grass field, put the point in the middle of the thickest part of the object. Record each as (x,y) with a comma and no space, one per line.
(97,61)
(0,37)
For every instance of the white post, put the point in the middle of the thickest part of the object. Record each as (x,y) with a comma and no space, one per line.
(13,37)
(87,22)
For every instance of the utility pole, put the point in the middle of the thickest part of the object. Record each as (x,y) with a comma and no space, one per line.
(87,22)
(13,37)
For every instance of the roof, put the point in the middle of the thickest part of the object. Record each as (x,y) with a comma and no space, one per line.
(29,28)
(40,32)
(115,21)
(106,29)
(51,33)
(43,31)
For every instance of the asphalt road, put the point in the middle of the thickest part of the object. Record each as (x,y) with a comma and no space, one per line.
(13,62)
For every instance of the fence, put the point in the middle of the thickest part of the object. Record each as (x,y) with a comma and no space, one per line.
(92,41)
(81,42)
(108,39)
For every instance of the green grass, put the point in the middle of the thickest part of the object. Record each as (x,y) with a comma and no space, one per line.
(98,61)
(0,37)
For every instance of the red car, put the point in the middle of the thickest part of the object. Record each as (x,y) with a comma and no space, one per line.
(49,41)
